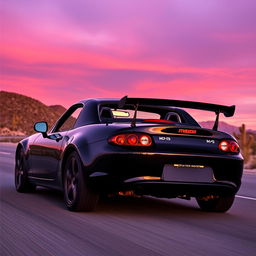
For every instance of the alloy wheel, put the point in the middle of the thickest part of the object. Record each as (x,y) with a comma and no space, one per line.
(71,181)
(19,169)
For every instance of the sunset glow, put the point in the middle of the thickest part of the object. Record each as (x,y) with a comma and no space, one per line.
(61,51)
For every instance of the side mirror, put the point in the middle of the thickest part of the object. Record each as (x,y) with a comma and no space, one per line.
(41,127)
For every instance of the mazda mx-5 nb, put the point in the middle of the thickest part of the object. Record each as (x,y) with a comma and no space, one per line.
(147,146)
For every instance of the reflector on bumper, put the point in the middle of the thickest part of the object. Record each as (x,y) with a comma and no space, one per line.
(141,178)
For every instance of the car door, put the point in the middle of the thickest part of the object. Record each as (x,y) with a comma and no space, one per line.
(45,153)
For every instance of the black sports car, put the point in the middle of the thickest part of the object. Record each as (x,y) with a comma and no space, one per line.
(147,146)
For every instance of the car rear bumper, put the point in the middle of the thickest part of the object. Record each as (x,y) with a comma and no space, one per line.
(175,189)
(113,169)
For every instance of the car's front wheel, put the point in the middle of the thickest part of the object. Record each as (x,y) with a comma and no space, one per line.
(22,183)
(78,194)
(215,203)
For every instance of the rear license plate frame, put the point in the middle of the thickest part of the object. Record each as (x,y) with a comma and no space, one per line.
(187,173)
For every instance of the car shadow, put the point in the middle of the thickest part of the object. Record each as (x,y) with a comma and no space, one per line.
(125,204)
(129,206)
(146,204)
(151,207)
(122,204)
(52,196)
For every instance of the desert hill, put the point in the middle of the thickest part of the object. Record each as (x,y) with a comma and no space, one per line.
(18,113)
(57,109)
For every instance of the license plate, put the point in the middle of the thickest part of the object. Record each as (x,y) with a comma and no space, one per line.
(187,173)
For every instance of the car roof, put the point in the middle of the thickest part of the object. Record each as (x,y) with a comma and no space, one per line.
(100,100)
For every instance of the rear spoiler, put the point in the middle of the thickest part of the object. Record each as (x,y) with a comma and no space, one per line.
(228,111)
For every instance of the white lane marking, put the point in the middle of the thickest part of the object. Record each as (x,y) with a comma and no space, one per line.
(247,197)
(5,153)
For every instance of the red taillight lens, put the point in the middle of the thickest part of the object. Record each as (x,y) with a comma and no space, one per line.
(120,140)
(131,139)
(234,147)
(229,146)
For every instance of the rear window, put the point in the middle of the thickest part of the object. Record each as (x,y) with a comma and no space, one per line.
(108,114)
(121,113)
(111,113)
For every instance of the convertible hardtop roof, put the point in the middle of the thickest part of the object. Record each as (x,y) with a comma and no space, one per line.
(228,111)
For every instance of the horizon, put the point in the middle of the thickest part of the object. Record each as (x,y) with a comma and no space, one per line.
(60,52)
(196,113)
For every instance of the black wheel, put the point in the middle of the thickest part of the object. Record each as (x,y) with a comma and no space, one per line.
(78,194)
(215,203)
(22,183)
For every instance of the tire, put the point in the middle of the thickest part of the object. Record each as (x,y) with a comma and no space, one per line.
(218,204)
(78,195)
(22,183)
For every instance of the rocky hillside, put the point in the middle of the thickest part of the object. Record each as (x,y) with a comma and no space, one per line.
(18,113)
(57,109)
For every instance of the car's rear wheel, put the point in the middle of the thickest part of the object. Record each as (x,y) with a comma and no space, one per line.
(215,203)
(78,194)
(22,183)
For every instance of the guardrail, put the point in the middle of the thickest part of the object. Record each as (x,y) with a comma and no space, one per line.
(13,139)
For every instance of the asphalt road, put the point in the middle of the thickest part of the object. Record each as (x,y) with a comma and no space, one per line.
(38,224)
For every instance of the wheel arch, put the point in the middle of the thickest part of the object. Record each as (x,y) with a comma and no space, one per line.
(71,148)
(21,145)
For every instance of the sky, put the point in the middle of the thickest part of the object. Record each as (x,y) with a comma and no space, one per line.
(62,51)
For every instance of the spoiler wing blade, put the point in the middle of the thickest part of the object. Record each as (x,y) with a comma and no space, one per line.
(228,111)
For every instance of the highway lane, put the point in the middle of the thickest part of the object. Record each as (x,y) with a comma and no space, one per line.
(38,224)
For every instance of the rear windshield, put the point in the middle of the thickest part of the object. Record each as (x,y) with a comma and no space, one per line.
(121,113)
(110,114)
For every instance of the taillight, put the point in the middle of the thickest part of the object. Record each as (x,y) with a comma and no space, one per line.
(224,145)
(131,139)
(229,146)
